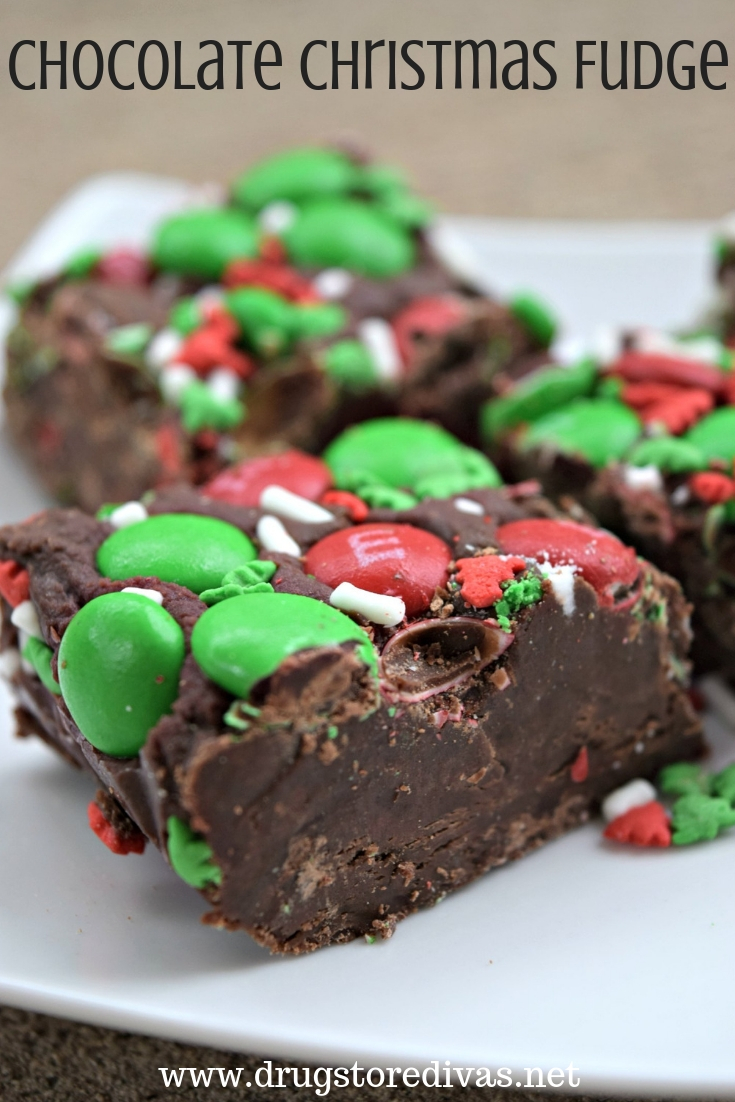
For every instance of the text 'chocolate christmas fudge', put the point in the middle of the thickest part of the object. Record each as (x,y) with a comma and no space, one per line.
(643,438)
(333,690)
(316,296)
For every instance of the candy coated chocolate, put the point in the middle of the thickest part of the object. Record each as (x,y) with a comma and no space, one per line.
(407,454)
(243,640)
(396,559)
(294,176)
(346,233)
(715,434)
(119,664)
(203,242)
(596,429)
(294,470)
(193,551)
(603,560)
(537,395)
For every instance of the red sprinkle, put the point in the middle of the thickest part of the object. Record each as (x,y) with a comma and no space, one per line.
(49,437)
(580,766)
(481,577)
(210,347)
(112,838)
(711,487)
(14,583)
(656,367)
(168,450)
(294,470)
(603,560)
(675,407)
(396,559)
(356,508)
(273,276)
(647,825)
(426,317)
(124,268)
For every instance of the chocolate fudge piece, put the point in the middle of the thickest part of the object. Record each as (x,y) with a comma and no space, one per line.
(329,712)
(644,440)
(316,297)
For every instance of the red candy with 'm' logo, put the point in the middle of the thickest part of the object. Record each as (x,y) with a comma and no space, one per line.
(294,470)
(603,560)
(396,559)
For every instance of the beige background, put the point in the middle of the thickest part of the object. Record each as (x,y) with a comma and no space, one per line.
(565,152)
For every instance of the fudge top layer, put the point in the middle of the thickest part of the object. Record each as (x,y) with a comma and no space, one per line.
(314,252)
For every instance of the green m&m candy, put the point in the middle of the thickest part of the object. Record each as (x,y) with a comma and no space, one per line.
(119,664)
(409,455)
(600,430)
(203,242)
(536,317)
(270,323)
(347,233)
(714,435)
(668,453)
(295,176)
(190,550)
(536,395)
(240,641)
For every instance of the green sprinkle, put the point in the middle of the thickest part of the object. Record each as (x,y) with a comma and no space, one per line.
(286,908)
(233,717)
(370,939)
(106,510)
(683,778)
(39,655)
(332,732)
(350,364)
(253,577)
(517,594)
(81,263)
(185,316)
(392,710)
(699,818)
(533,313)
(190,855)
(723,784)
(202,409)
(129,340)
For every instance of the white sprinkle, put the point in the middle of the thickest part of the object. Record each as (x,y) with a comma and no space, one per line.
(9,662)
(643,478)
(25,618)
(680,495)
(279,500)
(633,794)
(376,607)
(562,584)
(333,283)
(128,707)
(163,349)
(467,505)
(639,747)
(132,512)
(211,295)
(606,344)
(277,217)
(174,380)
(274,537)
(152,594)
(568,350)
(224,383)
(378,337)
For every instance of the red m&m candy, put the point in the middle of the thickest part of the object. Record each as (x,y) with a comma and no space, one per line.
(396,559)
(603,560)
(294,470)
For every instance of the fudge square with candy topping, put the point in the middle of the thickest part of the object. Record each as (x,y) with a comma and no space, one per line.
(332,692)
(314,296)
(643,438)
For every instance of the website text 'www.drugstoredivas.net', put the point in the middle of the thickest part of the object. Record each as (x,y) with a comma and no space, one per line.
(323,1080)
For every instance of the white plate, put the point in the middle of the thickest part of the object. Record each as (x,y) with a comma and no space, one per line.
(619,962)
